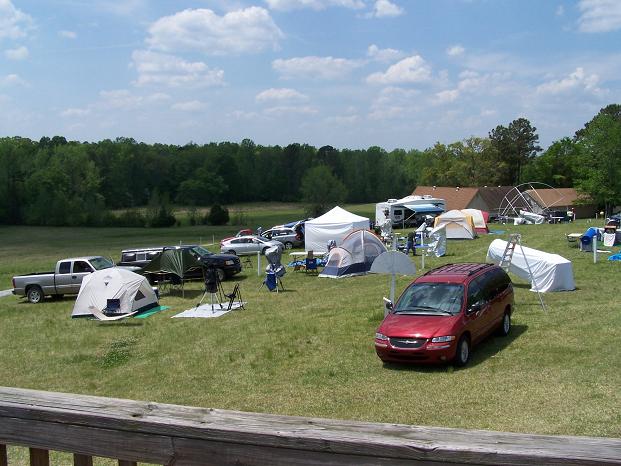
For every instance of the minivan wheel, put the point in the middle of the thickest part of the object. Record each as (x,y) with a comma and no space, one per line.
(231,251)
(505,327)
(463,352)
(35,294)
(288,245)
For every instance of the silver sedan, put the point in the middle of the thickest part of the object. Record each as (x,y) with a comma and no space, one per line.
(247,245)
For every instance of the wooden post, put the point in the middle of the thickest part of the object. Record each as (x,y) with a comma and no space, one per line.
(3,457)
(82,460)
(39,457)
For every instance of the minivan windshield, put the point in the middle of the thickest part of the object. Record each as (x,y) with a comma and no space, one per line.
(101,263)
(431,299)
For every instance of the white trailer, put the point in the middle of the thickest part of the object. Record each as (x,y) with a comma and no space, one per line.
(407,211)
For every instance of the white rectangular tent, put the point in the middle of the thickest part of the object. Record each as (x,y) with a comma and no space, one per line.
(333,225)
(551,272)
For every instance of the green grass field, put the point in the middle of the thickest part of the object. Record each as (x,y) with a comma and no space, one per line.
(309,350)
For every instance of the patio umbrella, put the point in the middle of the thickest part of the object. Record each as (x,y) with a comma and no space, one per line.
(393,263)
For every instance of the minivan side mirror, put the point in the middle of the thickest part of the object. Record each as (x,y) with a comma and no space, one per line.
(476,307)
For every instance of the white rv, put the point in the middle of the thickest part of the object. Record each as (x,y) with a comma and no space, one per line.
(408,211)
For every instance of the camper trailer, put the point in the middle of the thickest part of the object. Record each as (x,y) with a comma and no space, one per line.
(409,211)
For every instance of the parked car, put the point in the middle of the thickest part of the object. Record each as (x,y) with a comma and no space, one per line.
(226,265)
(248,245)
(614,220)
(287,236)
(244,232)
(443,313)
(65,279)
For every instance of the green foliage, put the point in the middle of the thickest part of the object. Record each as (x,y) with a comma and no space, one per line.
(218,215)
(516,146)
(599,173)
(321,189)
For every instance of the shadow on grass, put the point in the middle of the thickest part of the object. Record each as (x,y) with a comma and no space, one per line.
(486,349)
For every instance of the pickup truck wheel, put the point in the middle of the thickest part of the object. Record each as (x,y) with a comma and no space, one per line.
(221,275)
(288,245)
(34,294)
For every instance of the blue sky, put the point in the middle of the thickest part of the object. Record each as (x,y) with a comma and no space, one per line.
(348,73)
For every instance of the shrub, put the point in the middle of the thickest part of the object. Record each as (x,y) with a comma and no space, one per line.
(218,215)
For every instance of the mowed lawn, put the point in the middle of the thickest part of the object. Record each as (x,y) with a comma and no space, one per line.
(309,351)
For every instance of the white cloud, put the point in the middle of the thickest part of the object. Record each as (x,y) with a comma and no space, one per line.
(455,50)
(394,102)
(241,31)
(20,53)
(169,70)
(578,79)
(120,99)
(292,109)
(343,120)
(599,15)
(385,8)
(12,80)
(189,106)
(13,22)
(560,10)
(286,5)
(409,70)
(281,94)
(315,67)
(67,34)
(75,112)
(383,55)
(447,96)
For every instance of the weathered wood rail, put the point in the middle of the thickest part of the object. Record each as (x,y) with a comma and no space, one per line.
(133,431)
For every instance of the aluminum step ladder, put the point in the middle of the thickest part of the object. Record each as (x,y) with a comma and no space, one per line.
(515,239)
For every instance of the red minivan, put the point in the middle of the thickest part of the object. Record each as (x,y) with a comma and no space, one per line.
(443,313)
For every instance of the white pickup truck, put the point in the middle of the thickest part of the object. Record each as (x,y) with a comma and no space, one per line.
(66,278)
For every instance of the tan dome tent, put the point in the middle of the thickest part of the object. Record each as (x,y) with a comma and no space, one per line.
(355,255)
(458,225)
(130,293)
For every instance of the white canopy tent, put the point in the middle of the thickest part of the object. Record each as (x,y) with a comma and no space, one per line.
(133,292)
(333,225)
(551,272)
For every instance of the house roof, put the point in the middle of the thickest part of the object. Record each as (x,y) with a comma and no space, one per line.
(456,198)
(554,197)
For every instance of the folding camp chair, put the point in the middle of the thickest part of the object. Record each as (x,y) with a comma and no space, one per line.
(236,293)
(311,263)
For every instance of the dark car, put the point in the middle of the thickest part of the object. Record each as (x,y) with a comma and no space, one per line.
(614,220)
(226,265)
(443,313)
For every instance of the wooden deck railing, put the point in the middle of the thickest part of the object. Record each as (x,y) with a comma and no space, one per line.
(133,431)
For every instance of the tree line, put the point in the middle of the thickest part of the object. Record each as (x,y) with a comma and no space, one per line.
(58,182)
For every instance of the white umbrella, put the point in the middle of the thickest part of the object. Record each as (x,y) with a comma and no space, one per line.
(393,262)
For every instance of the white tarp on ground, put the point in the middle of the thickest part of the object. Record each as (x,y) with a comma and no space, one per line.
(207,311)
(132,290)
(437,241)
(551,272)
(333,225)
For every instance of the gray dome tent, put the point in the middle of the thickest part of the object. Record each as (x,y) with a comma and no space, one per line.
(355,255)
